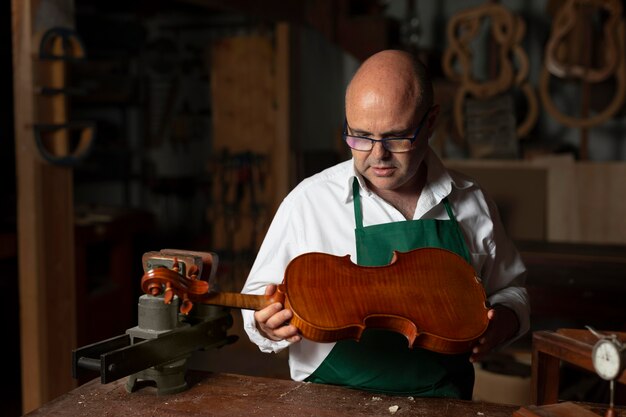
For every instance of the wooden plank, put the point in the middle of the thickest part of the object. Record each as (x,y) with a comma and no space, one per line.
(518,188)
(237,395)
(45,227)
(282,168)
(244,116)
(544,382)
(243,94)
(601,202)
(555,198)
(565,409)
(586,203)
(561,211)
(250,78)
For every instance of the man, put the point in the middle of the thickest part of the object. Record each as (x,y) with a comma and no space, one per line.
(393,195)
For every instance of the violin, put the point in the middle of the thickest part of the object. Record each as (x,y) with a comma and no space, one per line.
(432,296)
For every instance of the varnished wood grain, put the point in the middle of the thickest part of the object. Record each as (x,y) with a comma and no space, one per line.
(429,295)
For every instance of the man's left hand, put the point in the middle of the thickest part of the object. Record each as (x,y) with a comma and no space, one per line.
(503,325)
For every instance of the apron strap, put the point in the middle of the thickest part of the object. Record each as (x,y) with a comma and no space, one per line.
(464,251)
(446,204)
(358,214)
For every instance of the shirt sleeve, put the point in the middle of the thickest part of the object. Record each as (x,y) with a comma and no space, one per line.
(493,254)
(504,274)
(276,251)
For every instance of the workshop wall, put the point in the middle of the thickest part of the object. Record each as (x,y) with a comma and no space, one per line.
(155,142)
(606,140)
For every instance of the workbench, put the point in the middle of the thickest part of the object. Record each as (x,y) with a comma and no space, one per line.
(550,349)
(215,394)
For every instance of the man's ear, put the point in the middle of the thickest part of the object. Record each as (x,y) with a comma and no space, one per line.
(432,118)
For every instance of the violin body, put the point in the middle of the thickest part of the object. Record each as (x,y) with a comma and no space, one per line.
(430,295)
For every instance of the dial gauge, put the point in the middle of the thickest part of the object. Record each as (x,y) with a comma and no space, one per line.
(607,359)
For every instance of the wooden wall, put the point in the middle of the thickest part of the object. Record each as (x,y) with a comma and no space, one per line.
(555,198)
(45,220)
(251,168)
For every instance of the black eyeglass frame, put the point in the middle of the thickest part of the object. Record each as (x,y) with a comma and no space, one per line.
(383,141)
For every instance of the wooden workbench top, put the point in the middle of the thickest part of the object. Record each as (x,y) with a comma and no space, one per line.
(217,395)
(236,395)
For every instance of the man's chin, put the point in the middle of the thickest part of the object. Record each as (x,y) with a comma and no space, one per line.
(383,183)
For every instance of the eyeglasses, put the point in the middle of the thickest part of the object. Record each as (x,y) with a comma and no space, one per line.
(396,145)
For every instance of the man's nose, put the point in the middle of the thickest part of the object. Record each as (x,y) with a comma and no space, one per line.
(379,151)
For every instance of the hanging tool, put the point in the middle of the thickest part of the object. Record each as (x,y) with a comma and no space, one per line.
(60,141)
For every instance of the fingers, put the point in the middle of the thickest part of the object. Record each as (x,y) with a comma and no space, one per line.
(270,289)
(479,350)
(494,335)
(274,316)
(273,322)
(483,345)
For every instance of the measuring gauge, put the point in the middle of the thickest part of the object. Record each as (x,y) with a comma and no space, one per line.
(607,357)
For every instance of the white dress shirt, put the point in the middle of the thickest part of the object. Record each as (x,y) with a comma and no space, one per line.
(318,216)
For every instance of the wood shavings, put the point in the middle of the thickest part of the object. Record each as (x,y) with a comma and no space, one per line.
(393,409)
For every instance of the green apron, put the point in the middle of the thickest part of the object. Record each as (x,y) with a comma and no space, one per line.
(381,361)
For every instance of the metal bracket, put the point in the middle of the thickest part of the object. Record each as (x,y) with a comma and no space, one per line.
(116,358)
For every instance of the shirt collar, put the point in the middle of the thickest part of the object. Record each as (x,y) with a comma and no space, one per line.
(438,185)
(439,179)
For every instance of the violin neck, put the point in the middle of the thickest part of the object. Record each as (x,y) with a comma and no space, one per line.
(237,300)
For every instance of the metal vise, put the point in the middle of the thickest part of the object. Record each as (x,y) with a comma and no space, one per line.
(157,349)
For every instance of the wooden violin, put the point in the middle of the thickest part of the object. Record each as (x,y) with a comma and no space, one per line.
(430,295)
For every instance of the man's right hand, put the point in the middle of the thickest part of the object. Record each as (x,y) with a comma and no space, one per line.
(273,321)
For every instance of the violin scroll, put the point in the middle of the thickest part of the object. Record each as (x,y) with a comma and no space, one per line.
(170,283)
(178,273)
(189,275)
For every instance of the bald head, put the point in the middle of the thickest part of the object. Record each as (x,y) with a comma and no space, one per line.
(392,79)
